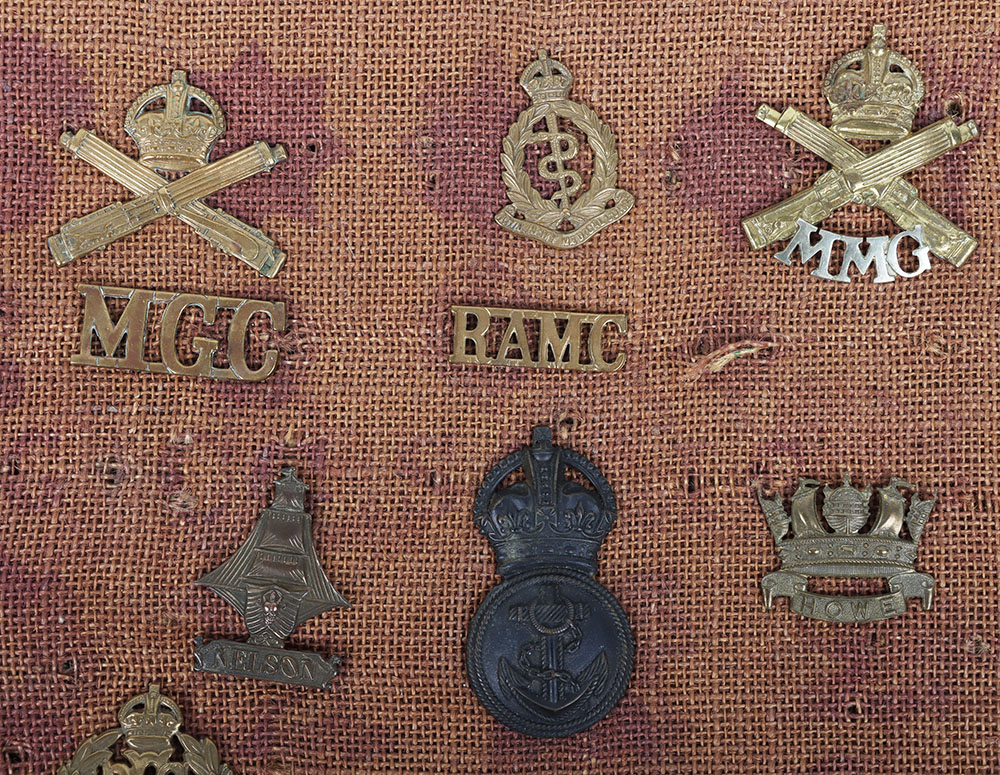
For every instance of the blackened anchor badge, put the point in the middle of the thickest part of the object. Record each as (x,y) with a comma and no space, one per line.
(549,652)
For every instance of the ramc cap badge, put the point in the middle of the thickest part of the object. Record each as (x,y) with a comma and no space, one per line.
(567,217)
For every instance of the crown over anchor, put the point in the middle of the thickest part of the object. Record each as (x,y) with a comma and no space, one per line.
(176,137)
(565,214)
(549,651)
(873,92)
(835,547)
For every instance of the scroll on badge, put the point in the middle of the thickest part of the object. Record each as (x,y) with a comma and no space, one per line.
(275,581)
(874,94)
(549,651)
(572,214)
(835,547)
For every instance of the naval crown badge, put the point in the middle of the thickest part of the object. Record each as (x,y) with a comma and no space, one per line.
(549,651)
(567,217)
(275,581)
(873,94)
(834,546)
(175,126)
(149,725)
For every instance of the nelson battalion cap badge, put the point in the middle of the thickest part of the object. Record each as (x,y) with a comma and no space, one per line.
(276,582)
(149,725)
(874,94)
(834,547)
(566,218)
(549,651)
(175,126)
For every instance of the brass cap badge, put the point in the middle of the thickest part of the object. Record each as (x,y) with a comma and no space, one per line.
(873,94)
(177,137)
(150,725)
(276,582)
(566,218)
(835,547)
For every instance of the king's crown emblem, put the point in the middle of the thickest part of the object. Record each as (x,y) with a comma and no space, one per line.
(873,92)
(150,720)
(837,545)
(170,132)
(547,518)
(149,725)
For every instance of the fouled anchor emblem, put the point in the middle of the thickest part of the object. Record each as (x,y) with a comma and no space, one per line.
(539,676)
(566,218)
(177,137)
(549,651)
(808,548)
(874,94)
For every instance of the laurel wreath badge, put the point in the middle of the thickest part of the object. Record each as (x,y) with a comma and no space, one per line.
(560,220)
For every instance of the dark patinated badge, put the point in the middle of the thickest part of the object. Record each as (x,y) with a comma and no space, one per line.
(276,582)
(549,651)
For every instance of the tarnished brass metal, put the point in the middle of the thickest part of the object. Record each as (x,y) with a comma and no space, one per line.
(177,138)
(565,340)
(131,328)
(276,582)
(149,728)
(834,547)
(560,220)
(875,102)
(549,651)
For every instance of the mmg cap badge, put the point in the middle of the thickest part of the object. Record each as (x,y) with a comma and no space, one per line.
(566,218)
(177,137)
(549,651)
(276,582)
(873,94)
(150,725)
(834,547)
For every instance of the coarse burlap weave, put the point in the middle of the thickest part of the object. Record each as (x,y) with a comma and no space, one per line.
(120,489)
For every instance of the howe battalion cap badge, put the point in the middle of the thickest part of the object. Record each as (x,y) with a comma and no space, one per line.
(549,651)
(834,547)
(873,94)
(567,217)
(175,126)
(276,582)
(150,728)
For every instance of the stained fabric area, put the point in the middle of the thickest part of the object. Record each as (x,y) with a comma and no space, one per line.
(121,489)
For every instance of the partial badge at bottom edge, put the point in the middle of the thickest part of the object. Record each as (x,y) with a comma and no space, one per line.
(834,547)
(275,581)
(149,730)
(549,651)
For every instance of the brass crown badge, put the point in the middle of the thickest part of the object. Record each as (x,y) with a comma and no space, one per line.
(567,217)
(835,547)
(873,94)
(150,727)
(175,126)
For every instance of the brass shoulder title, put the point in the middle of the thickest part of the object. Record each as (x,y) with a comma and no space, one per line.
(559,340)
(130,329)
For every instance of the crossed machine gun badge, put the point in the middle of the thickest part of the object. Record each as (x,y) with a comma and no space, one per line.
(175,126)
(873,94)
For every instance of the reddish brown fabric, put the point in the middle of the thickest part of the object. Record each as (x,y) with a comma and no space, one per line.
(120,489)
